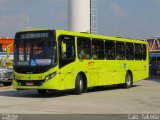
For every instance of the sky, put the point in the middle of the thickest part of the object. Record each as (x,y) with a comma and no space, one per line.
(127,18)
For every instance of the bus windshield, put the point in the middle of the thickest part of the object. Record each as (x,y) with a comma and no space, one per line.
(34,52)
(38,53)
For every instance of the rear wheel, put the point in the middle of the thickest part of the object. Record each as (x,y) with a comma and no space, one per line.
(128,81)
(79,85)
(42,91)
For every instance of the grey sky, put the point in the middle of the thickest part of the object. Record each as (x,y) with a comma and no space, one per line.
(127,18)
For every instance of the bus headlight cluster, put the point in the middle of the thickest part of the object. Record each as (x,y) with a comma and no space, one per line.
(50,76)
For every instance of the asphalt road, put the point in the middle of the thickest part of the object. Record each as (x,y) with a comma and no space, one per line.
(142,98)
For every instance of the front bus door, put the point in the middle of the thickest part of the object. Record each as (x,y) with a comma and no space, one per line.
(66,49)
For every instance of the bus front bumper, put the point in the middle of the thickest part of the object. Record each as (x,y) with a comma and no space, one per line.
(36,84)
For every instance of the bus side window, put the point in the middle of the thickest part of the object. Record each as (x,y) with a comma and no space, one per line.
(84,48)
(120,50)
(144,51)
(129,51)
(110,50)
(97,49)
(138,51)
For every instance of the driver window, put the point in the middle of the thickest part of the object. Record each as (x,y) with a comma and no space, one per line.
(66,46)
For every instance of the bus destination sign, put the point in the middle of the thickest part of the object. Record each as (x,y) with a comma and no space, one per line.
(34,35)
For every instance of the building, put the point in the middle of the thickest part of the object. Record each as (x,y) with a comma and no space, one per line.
(4,42)
(154,55)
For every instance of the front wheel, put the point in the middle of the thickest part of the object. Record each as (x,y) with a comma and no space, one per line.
(79,85)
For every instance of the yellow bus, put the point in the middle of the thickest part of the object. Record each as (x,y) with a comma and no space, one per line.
(63,60)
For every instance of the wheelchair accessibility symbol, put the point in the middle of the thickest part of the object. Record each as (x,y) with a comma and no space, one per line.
(33,62)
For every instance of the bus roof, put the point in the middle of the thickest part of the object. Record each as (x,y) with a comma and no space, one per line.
(83,34)
(80,34)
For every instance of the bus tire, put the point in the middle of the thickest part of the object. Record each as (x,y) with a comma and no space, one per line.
(128,80)
(42,91)
(79,85)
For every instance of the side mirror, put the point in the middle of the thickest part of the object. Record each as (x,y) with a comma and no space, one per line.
(8,52)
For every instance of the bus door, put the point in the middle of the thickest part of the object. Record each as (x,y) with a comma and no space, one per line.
(66,49)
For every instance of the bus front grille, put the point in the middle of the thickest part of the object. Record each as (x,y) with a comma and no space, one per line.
(30,83)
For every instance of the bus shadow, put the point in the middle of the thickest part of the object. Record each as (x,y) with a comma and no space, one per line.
(108,88)
(54,94)
(33,94)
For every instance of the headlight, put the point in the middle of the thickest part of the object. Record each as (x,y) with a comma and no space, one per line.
(50,76)
(2,73)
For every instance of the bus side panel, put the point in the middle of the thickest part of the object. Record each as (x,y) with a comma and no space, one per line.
(66,74)
(141,70)
(103,72)
(116,72)
(82,66)
(108,72)
(100,70)
(120,71)
(130,66)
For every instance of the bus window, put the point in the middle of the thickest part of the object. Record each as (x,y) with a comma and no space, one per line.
(21,52)
(129,51)
(138,51)
(84,48)
(110,50)
(97,49)
(24,51)
(120,50)
(69,55)
(144,51)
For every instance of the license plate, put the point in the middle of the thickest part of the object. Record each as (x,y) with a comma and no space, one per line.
(29,83)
